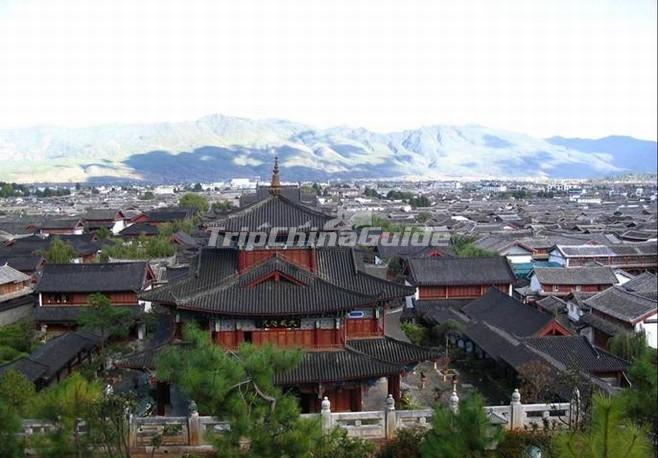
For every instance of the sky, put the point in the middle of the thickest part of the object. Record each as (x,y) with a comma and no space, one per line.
(583,68)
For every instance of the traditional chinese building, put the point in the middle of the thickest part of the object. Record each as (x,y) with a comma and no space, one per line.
(445,278)
(307,295)
(547,281)
(64,291)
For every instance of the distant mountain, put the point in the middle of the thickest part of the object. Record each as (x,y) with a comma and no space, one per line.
(627,153)
(218,147)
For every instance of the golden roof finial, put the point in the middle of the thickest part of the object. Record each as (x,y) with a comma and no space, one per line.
(276,180)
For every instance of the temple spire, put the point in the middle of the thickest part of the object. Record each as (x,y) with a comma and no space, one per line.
(276,180)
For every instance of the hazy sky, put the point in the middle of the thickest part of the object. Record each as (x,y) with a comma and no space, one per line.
(572,67)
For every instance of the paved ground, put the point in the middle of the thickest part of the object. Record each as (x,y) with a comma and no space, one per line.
(472,378)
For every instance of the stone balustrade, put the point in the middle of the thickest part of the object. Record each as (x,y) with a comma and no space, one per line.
(183,435)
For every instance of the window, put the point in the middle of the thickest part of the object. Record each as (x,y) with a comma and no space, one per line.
(556,288)
(579,287)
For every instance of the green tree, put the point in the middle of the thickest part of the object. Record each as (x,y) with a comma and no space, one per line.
(16,391)
(143,248)
(420,201)
(222,206)
(641,399)
(337,444)
(69,403)
(406,444)
(102,317)
(59,252)
(610,434)
(16,340)
(464,247)
(370,192)
(239,387)
(197,187)
(516,443)
(107,423)
(417,334)
(148,195)
(183,225)
(103,233)
(629,345)
(195,201)
(468,433)
(10,426)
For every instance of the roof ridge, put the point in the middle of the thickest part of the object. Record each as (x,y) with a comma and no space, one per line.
(350,348)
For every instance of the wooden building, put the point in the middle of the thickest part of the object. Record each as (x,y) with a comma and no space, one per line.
(64,290)
(547,281)
(111,219)
(631,307)
(447,278)
(163,215)
(315,298)
(632,257)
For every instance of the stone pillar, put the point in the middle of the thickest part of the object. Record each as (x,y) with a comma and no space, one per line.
(390,417)
(325,414)
(574,409)
(141,331)
(194,425)
(132,431)
(454,400)
(516,411)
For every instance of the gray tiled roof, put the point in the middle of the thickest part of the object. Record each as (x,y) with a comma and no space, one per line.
(505,312)
(25,263)
(576,276)
(91,278)
(213,285)
(622,304)
(552,304)
(393,351)
(460,271)
(101,214)
(578,351)
(274,211)
(54,355)
(10,275)
(644,284)
(336,366)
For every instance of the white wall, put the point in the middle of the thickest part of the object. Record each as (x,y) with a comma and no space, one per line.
(535,286)
(555,256)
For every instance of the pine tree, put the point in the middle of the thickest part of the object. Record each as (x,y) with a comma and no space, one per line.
(239,387)
(16,391)
(610,434)
(467,433)
(101,316)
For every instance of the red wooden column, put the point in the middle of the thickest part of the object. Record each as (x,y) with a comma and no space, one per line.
(357,399)
(394,386)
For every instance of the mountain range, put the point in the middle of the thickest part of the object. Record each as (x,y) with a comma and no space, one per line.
(216,147)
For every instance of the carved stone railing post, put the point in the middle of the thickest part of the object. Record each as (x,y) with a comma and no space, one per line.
(194,426)
(325,414)
(516,411)
(390,417)
(454,400)
(574,409)
(132,431)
